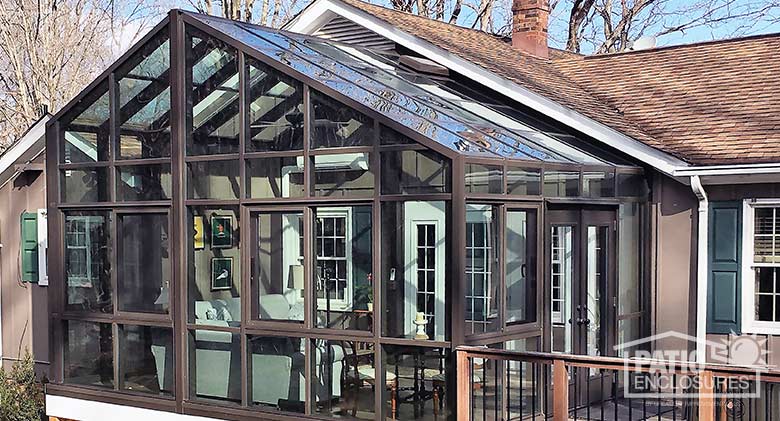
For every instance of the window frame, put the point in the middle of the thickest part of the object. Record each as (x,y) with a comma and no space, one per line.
(748,290)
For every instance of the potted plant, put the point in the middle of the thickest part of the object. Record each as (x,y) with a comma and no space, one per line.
(364,293)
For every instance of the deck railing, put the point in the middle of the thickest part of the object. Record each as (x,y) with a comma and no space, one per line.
(509,385)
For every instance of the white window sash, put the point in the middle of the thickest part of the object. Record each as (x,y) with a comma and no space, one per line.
(749,322)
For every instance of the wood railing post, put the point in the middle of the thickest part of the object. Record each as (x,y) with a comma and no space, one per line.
(560,391)
(706,396)
(463,374)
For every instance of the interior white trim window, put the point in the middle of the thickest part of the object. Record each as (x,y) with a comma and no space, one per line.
(334,257)
(761,266)
(82,271)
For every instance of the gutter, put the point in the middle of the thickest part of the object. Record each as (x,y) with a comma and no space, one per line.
(737,169)
(701,268)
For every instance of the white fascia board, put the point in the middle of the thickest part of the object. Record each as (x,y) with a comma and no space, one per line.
(36,133)
(319,12)
(716,170)
(85,410)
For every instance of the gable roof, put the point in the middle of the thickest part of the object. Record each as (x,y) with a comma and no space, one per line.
(676,112)
(23,150)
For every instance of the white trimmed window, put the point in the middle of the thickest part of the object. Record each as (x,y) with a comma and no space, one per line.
(761,267)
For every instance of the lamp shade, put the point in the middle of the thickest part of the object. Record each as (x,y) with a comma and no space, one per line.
(296,277)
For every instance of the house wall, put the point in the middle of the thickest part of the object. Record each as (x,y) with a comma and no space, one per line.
(24,305)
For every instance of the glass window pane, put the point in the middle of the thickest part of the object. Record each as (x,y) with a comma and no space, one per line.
(85,128)
(215,365)
(629,330)
(145,102)
(88,353)
(561,183)
(144,275)
(598,184)
(146,359)
(520,263)
(275,110)
(344,287)
(87,261)
(214,261)
(523,181)
(277,372)
(336,125)
(482,271)
(389,136)
(629,250)
(484,179)
(213,98)
(415,172)
(343,175)
(345,378)
(277,266)
(274,177)
(213,180)
(766,243)
(143,182)
(84,185)
(409,367)
(632,185)
(414,274)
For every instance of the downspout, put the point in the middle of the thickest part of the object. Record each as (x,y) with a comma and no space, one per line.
(701,268)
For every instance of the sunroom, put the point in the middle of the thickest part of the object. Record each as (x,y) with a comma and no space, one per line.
(246,222)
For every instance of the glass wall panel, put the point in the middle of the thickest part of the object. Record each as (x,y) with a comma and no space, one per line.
(85,129)
(274,177)
(337,125)
(482,270)
(87,261)
(628,262)
(215,365)
(146,359)
(520,264)
(344,287)
(84,185)
(414,270)
(523,181)
(143,182)
(275,110)
(345,378)
(418,382)
(561,183)
(143,260)
(598,184)
(388,137)
(213,99)
(632,185)
(415,172)
(278,273)
(213,180)
(88,353)
(277,372)
(346,174)
(562,240)
(214,265)
(145,102)
(629,330)
(484,179)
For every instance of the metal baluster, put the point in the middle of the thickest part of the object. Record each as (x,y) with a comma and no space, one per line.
(615,394)
(587,392)
(508,397)
(484,389)
(674,397)
(601,393)
(533,391)
(658,396)
(471,386)
(496,410)
(576,396)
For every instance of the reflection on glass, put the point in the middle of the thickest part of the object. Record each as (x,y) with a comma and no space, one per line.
(561,183)
(277,372)
(415,172)
(87,261)
(336,125)
(418,380)
(389,137)
(275,110)
(524,405)
(213,100)
(86,128)
(482,271)
(344,287)
(214,262)
(628,266)
(278,266)
(145,102)
(520,263)
(484,179)
(84,185)
(523,181)
(413,274)
(598,184)
(628,330)
(632,185)
(345,378)
(88,354)
(595,272)
(346,174)
(146,359)
(561,274)
(215,365)
(274,177)
(144,275)
(143,182)
(213,180)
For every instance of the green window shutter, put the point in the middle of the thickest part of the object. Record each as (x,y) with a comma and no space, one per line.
(29,247)
(725,264)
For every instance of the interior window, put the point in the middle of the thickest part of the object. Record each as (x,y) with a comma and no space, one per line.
(766,263)
(87,265)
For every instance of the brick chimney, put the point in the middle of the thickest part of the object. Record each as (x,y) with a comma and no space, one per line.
(529,26)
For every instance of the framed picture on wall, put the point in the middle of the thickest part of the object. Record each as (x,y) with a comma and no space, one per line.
(221,232)
(199,236)
(221,273)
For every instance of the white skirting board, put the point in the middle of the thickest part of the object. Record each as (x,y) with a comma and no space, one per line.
(84,410)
